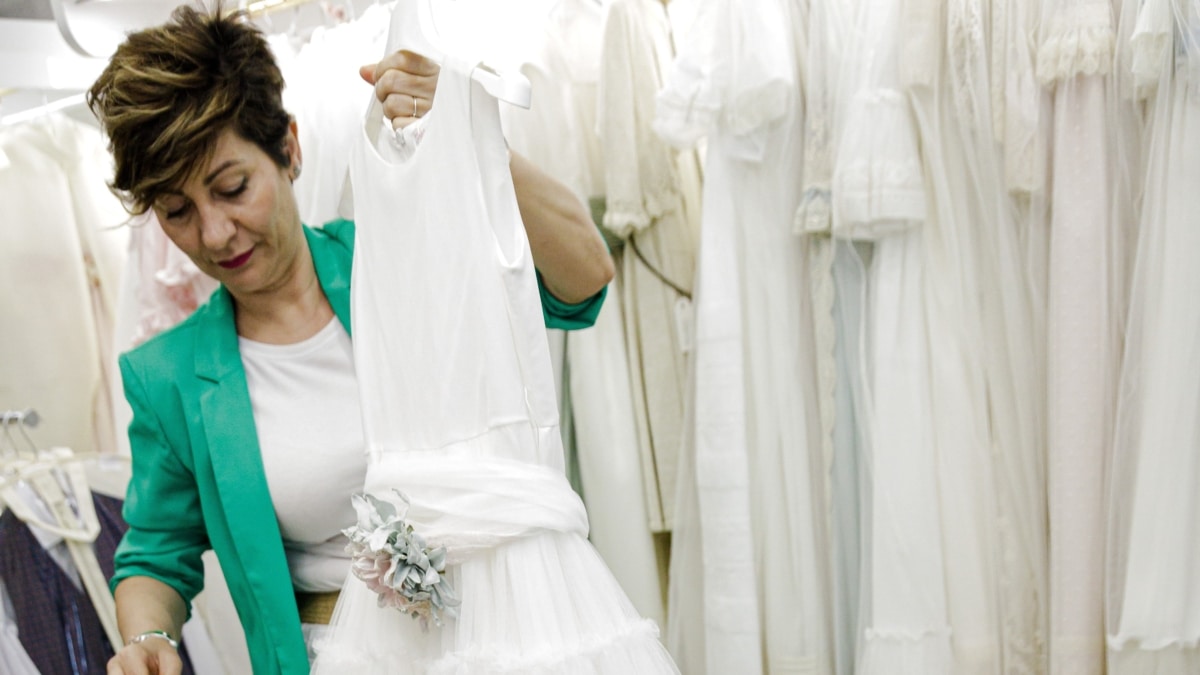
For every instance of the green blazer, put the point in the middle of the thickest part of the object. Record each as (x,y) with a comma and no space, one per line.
(198,480)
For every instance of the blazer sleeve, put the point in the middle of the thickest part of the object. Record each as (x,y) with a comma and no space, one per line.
(166,534)
(566,316)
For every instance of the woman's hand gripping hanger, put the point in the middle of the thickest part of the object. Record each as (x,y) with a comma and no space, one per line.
(413,29)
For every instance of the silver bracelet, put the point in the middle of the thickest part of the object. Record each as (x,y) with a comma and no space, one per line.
(160,634)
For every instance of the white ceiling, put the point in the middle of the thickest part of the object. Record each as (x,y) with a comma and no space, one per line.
(25,9)
(39,65)
(43,59)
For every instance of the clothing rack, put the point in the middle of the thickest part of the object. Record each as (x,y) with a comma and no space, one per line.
(27,417)
(58,482)
(22,420)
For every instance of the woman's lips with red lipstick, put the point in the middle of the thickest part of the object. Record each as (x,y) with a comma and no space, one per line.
(234,263)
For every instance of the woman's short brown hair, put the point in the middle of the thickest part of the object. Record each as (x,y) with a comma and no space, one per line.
(170,91)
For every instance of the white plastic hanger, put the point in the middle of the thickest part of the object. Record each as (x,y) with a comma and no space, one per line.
(413,29)
(58,480)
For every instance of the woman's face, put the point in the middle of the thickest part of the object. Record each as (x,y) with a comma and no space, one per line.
(236,216)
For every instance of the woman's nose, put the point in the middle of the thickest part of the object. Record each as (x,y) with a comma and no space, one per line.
(216,228)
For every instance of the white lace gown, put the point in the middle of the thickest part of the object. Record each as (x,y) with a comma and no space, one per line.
(653,204)
(1154,570)
(752,493)
(1082,361)
(61,227)
(459,415)
(557,133)
(878,195)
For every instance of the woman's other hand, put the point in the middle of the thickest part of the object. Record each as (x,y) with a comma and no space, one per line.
(150,657)
(404,82)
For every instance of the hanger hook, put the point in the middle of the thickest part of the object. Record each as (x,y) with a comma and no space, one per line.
(21,419)
(11,446)
(22,430)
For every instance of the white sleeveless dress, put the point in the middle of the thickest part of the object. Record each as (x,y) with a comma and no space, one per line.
(459,414)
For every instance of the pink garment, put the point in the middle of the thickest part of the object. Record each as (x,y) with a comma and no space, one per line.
(169,286)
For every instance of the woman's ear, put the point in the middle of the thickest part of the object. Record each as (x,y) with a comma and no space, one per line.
(295,156)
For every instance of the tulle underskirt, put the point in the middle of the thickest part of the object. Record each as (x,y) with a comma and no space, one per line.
(543,604)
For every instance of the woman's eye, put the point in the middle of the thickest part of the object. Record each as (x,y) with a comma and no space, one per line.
(241,187)
(177,212)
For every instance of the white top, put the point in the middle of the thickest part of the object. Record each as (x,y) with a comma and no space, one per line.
(306,411)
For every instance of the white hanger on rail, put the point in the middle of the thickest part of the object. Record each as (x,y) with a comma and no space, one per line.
(413,29)
(55,478)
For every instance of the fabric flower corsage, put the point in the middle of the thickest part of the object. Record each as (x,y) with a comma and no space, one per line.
(395,562)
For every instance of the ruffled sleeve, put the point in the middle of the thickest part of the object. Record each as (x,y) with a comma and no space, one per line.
(640,174)
(1077,40)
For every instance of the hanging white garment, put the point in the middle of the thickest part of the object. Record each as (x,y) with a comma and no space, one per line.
(1076,48)
(878,194)
(49,329)
(653,204)
(558,131)
(1154,570)
(755,408)
(81,152)
(943,74)
(609,464)
(326,95)
(836,278)
(160,287)
(1015,398)
(1021,125)
(459,415)
(557,134)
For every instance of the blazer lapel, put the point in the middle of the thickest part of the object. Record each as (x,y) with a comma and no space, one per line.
(332,262)
(229,418)
(232,439)
(233,452)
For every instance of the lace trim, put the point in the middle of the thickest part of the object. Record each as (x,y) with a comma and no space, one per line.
(999,74)
(966,55)
(1150,52)
(623,222)
(878,192)
(1080,41)
(759,107)
(1151,44)
(623,219)
(822,252)
(864,176)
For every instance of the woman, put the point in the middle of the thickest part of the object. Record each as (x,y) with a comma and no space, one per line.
(246,436)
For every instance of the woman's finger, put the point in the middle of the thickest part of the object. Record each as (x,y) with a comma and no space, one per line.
(367,73)
(409,63)
(401,82)
(403,105)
